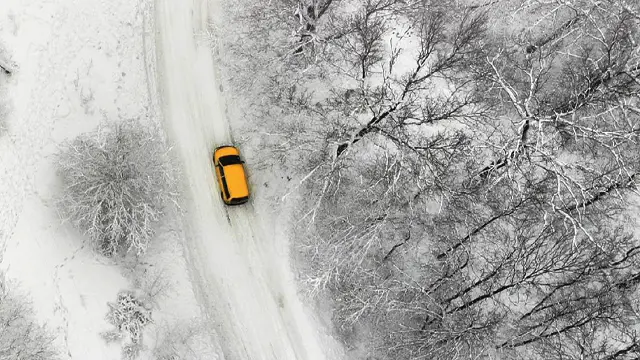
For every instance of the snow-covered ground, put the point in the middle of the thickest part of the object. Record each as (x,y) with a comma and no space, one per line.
(241,271)
(81,62)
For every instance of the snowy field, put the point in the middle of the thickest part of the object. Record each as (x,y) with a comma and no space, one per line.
(79,63)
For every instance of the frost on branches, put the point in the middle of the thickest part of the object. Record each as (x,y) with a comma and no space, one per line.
(21,337)
(183,340)
(116,185)
(129,315)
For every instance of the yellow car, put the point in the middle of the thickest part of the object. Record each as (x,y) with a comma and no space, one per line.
(232,178)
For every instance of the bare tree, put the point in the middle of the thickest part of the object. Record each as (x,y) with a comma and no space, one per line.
(130,315)
(152,281)
(116,184)
(402,101)
(21,337)
(557,179)
(472,203)
(309,13)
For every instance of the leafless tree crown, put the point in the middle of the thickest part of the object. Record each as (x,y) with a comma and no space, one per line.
(116,184)
(469,171)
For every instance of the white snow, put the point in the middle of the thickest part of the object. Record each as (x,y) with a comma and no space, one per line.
(81,62)
(241,272)
(72,58)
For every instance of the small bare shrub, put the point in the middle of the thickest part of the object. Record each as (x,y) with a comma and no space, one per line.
(116,186)
(153,283)
(182,341)
(21,337)
(129,315)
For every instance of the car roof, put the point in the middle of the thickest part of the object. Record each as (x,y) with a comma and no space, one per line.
(236,180)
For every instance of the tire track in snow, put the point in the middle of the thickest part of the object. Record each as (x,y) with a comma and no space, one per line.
(229,269)
(221,274)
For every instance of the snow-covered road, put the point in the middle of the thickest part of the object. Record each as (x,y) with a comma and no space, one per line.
(241,276)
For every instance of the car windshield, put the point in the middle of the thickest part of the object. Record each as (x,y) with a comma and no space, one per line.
(230,160)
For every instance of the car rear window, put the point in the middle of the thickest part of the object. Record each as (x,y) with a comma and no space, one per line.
(239,201)
(230,160)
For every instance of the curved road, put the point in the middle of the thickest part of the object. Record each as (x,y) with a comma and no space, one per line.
(240,275)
